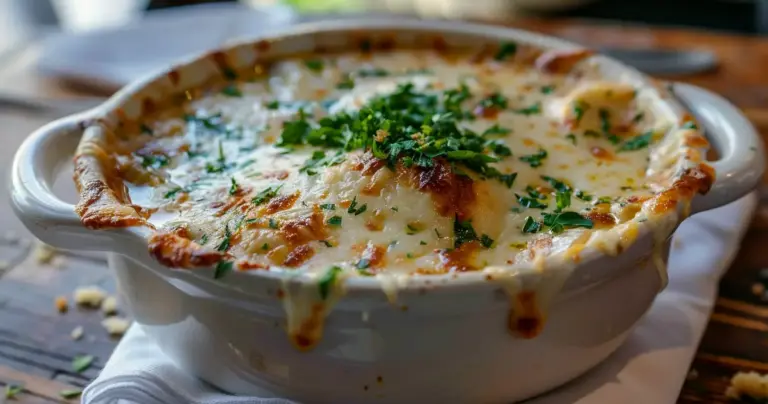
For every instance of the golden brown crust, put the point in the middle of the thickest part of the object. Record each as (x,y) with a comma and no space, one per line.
(175,251)
(104,200)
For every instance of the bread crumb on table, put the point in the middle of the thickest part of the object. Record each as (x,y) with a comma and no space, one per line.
(44,253)
(748,384)
(77,333)
(116,325)
(89,296)
(109,305)
(61,304)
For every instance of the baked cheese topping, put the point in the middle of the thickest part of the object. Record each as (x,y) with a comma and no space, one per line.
(403,163)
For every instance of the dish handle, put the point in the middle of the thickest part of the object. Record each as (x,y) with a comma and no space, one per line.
(742,154)
(49,218)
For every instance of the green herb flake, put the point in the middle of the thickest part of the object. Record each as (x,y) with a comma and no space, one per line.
(146,129)
(690,125)
(275,104)
(204,239)
(547,89)
(422,242)
(222,268)
(579,108)
(273,223)
(172,193)
(334,221)
(224,244)
(265,247)
(558,222)
(408,255)
(316,65)
(232,91)
(265,195)
(327,281)
(536,159)
(562,200)
(495,100)
(603,199)
(532,110)
(496,130)
(233,188)
(346,84)
(531,203)
(11,390)
(354,210)
(373,72)
(508,179)
(154,160)
(395,209)
(583,196)
(591,133)
(328,206)
(637,142)
(486,241)
(364,263)
(463,232)
(556,184)
(506,50)
(410,229)
(531,225)
(572,138)
(69,394)
(82,362)
(638,117)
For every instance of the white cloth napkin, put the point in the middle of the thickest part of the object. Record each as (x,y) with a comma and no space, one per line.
(649,368)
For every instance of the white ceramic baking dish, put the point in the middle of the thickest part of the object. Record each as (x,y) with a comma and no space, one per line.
(450,345)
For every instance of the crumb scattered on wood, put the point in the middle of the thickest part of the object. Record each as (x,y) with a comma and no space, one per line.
(77,333)
(116,325)
(44,253)
(91,296)
(109,305)
(748,384)
(61,304)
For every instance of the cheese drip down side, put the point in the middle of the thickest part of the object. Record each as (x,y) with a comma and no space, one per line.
(398,164)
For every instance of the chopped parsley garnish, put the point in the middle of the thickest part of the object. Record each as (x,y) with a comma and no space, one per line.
(69,394)
(406,125)
(221,162)
(327,243)
(557,222)
(637,142)
(486,241)
(319,159)
(556,184)
(535,160)
(527,202)
(82,362)
(571,137)
(494,100)
(172,193)
(265,247)
(222,268)
(499,148)
(275,104)
(395,209)
(266,194)
(326,282)
(204,239)
(532,110)
(346,84)
(579,109)
(328,206)
(689,125)
(272,223)
(508,179)
(411,229)
(154,160)
(232,91)
(354,210)
(506,50)
(534,193)
(496,130)
(373,72)
(334,221)
(463,232)
(605,126)
(547,89)
(315,65)
(11,390)
(603,199)
(233,187)
(213,123)
(638,117)
(531,225)
(583,196)
(422,242)
(224,244)
(562,200)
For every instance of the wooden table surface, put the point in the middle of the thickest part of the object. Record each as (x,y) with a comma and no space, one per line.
(36,349)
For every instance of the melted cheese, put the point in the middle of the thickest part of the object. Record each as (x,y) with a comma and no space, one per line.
(213,167)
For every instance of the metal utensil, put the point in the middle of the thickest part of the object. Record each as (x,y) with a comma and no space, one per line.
(664,62)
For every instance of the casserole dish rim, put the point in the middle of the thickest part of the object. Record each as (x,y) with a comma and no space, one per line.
(85,120)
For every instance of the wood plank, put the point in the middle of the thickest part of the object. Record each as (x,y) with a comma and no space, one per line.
(37,386)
